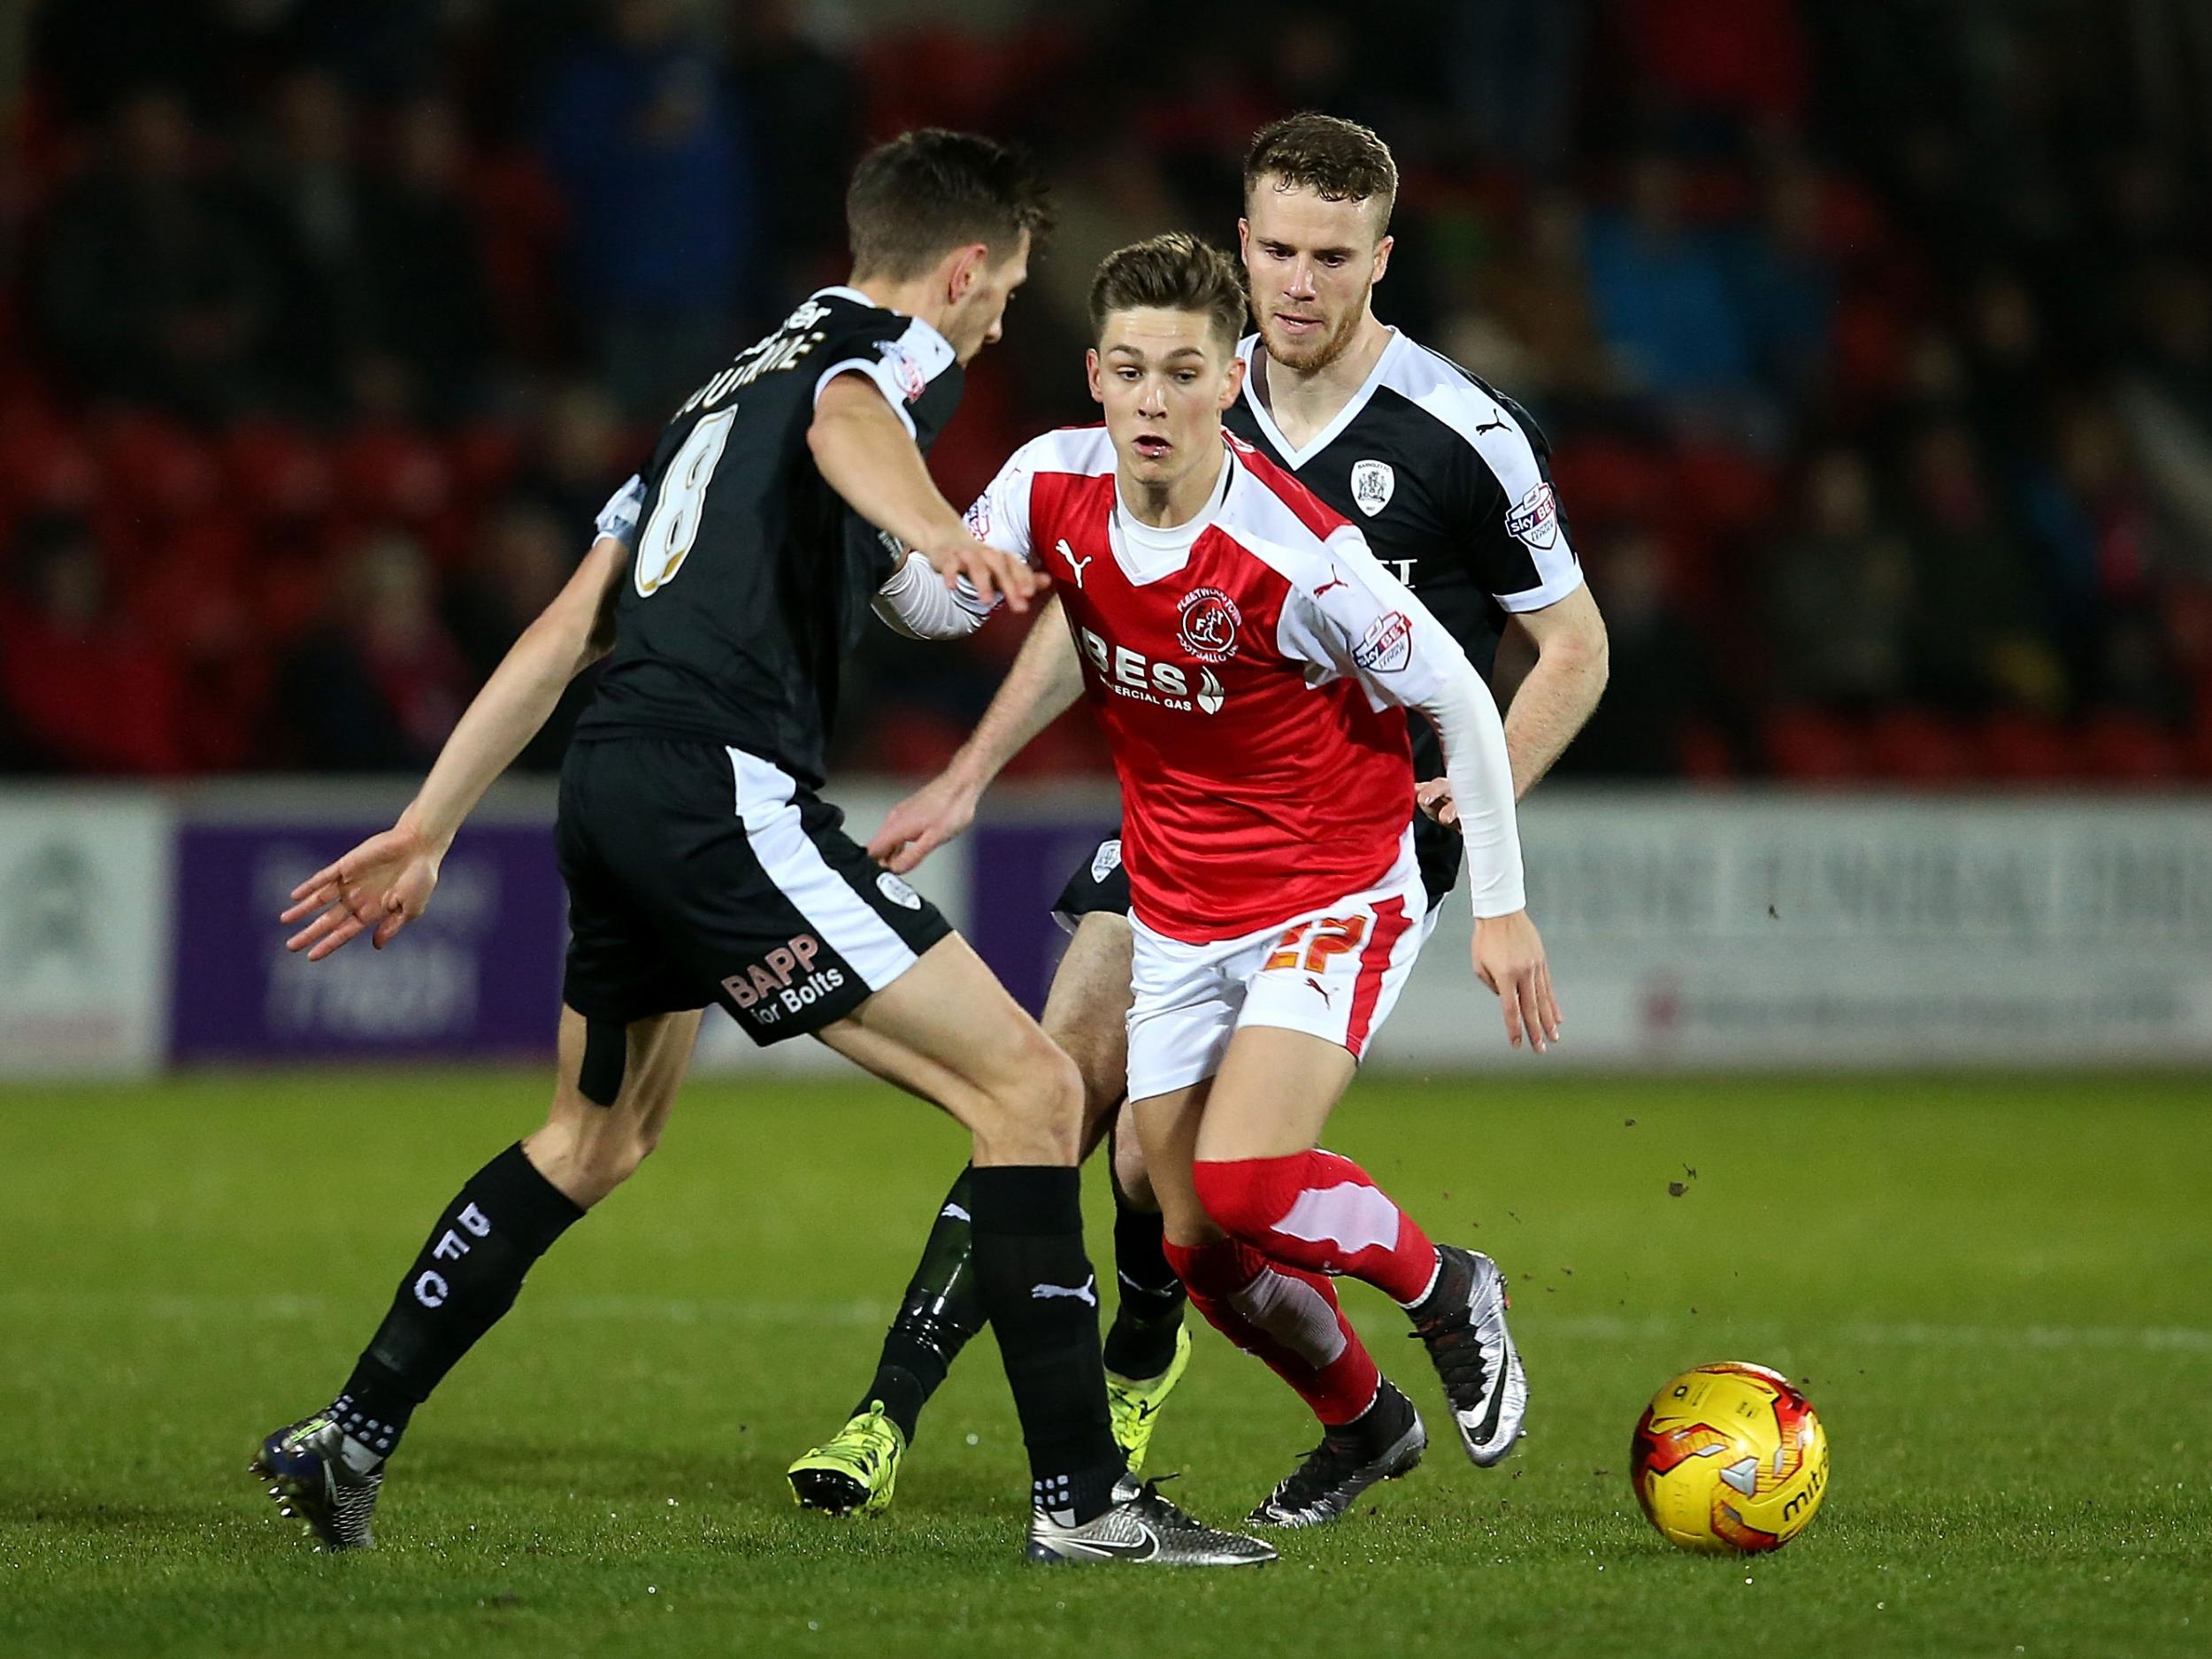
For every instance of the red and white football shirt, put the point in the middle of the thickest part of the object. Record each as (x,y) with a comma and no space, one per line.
(1245,665)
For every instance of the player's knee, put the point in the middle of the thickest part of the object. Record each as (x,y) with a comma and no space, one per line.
(1039,1104)
(1243,1196)
(1131,1178)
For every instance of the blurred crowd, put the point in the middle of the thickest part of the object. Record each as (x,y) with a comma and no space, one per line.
(1874,340)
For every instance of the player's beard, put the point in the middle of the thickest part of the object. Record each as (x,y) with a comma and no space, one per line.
(1310,357)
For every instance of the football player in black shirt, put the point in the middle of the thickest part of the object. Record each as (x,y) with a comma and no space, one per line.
(702,866)
(1450,482)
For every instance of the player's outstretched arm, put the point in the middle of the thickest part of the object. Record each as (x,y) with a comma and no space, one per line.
(386,882)
(1042,685)
(867,455)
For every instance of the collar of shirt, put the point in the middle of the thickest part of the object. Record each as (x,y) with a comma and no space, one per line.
(1146,553)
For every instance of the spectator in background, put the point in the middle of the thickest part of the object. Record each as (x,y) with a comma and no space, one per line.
(1785,282)
(1662,296)
(430,329)
(85,693)
(1516,77)
(156,286)
(379,686)
(312,192)
(799,98)
(641,139)
(1662,691)
(1839,603)
(1979,643)
(2166,400)
(1539,330)
(514,567)
(577,454)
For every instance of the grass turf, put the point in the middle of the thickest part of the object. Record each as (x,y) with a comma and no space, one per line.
(1999,1291)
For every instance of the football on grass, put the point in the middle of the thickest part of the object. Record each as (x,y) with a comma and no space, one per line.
(1729,1457)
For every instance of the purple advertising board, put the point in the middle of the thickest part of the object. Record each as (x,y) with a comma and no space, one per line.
(1017,870)
(479,974)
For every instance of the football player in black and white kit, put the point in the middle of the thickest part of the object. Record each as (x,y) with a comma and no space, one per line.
(702,866)
(1447,480)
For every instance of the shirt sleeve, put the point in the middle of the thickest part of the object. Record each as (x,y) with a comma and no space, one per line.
(1515,529)
(618,517)
(1346,616)
(1000,514)
(915,603)
(901,363)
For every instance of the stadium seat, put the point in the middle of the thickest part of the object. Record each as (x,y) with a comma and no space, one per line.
(1805,746)
(1912,746)
(276,472)
(155,466)
(390,472)
(2128,748)
(2021,749)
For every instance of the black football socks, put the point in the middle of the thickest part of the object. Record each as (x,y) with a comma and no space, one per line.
(1150,1312)
(1039,1295)
(467,1277)
(941,1310)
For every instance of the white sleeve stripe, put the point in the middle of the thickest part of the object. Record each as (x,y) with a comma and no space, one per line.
(879,373)
(1492,430)
(1555,590)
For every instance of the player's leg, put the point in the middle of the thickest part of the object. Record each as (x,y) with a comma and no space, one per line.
(614,1087)
(1263,1177)
(946,1029)
(1188,998)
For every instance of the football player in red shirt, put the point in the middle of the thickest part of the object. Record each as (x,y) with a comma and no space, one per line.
(1249,659)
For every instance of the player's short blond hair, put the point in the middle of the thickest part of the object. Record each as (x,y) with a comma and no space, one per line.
(1337,159)
(1174,272)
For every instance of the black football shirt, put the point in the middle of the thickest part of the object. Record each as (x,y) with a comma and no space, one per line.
(1450,482)
(751,580)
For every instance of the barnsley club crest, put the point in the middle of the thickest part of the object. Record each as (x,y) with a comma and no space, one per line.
(1373,483)
(1209,624)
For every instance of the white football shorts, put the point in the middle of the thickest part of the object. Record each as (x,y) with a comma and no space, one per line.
(1334,973)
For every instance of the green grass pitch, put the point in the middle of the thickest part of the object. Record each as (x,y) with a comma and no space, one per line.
(1999,1291)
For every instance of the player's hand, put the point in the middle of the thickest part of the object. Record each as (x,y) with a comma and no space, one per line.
(989,571)
(926,820)
(1509,959)
(1434,798)
(377,889)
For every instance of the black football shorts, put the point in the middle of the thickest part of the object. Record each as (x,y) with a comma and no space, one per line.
(700,874)
(1099,887)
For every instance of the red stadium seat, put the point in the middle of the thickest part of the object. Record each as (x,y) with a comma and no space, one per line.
(156,467)
(1804,746)
(1910,747)
(388,473)
(2021,749)
(2127,748)
(482,459)
(276,472)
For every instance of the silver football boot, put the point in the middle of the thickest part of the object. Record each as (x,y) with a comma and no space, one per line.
(1463,1323)
(1142,1526)
(314,1480)
(1386,1442)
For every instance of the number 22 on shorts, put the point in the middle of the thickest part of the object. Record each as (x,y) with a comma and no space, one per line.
(1319,940)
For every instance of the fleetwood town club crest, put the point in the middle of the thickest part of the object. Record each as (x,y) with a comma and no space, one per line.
(1373,483)
(1208,627)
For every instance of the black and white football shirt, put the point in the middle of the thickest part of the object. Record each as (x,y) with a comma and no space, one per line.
(1451,482)
(751,580)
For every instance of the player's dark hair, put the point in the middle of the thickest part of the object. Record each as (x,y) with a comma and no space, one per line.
(926,192)
(1175,273)
(1339,160)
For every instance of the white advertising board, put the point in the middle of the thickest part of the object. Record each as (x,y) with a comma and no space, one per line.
(84,933)
(1848,932)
